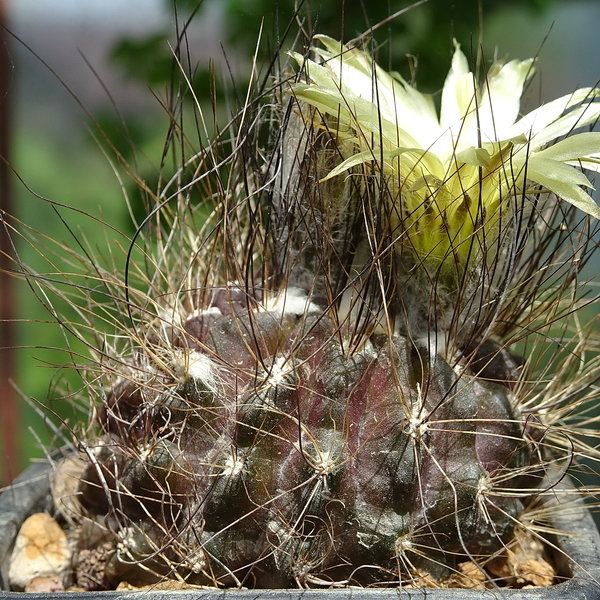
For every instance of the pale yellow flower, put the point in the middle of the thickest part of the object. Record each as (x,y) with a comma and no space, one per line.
(453,178)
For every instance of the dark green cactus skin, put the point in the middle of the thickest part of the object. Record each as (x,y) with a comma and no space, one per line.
(300,461)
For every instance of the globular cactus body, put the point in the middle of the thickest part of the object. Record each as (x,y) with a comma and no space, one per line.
(324,392)
(287,457)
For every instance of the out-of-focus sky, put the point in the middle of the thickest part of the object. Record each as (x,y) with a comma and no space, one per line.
(141,12)
(566,38)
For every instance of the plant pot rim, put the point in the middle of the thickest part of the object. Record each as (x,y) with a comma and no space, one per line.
(30,493)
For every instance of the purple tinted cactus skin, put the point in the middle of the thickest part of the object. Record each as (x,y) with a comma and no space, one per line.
(351,413)
(300,460)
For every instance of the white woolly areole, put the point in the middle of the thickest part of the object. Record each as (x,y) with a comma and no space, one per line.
(190,364)
(233,466)
(127,539)
(211,310)
(195,562)
(171,318)
(289,301)
(435,341)
(366,349)
(278,371)
(417,425)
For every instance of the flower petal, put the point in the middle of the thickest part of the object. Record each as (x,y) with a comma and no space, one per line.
(556,170)
(580,117)
(457,120)
(590,163)
(501,99)
(357,113)
(415,111)
(476,157)
(397,100)
(417,156)
(565,184)
(540,118)
(573,148)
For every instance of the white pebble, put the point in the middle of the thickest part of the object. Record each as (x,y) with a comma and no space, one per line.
(41,550)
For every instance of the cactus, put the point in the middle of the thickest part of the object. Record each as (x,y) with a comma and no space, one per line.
(364,365)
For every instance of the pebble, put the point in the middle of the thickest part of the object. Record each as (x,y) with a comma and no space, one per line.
(41,552)
(45,585)
(65,487)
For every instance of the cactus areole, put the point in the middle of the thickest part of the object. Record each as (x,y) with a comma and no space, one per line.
(330,394)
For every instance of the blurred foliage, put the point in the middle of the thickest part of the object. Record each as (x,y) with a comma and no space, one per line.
(147,59)
(424,30)
(82,182)
(419,40)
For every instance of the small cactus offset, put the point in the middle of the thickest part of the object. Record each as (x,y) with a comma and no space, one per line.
(368,363)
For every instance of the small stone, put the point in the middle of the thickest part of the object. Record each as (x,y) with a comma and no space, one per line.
(468,576)
(41,551)
(523,565)
(537,573)
(125,586)
(167,585)
(91,565)
(65,486)
(45,585)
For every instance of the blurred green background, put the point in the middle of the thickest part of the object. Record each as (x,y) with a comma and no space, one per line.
(109,57)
